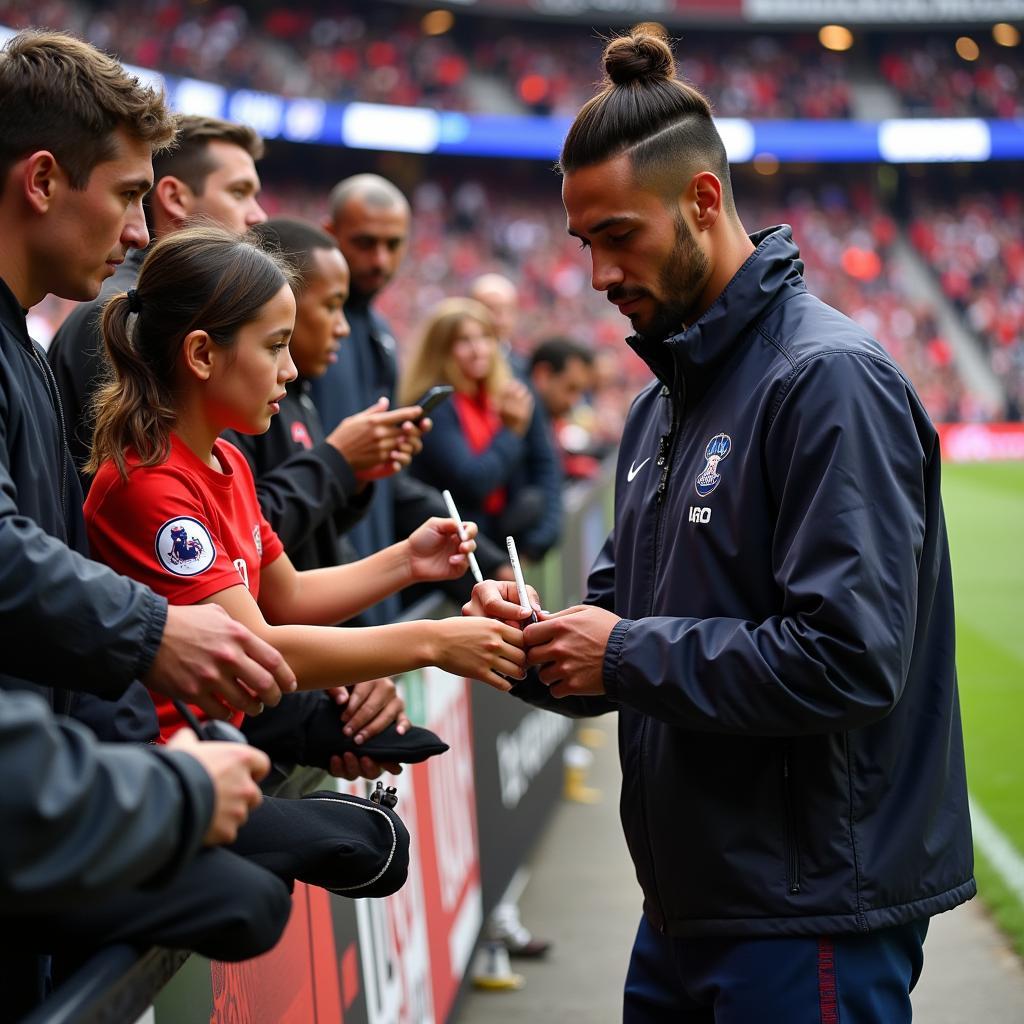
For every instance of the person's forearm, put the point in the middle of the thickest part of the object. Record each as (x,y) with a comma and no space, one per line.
(83,819)
(331,595)
(336,657)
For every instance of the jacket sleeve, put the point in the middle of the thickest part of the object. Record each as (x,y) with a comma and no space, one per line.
(309,488)
(83,819)
(65,619)
(845,466)
(447,461)
(543,471)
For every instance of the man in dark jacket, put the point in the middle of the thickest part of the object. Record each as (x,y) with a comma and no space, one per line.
(104,843)
(772,615)
(370,217)
(78,134)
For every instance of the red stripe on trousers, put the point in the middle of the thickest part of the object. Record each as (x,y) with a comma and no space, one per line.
(828,1000)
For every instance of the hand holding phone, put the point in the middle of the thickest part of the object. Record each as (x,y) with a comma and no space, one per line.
(433,397)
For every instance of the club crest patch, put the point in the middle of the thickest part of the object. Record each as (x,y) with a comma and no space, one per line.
(184,546)
(709,478)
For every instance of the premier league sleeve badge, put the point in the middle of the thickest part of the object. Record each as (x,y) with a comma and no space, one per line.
(184,546)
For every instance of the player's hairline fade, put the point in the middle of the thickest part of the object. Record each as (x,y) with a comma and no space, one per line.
(662,123)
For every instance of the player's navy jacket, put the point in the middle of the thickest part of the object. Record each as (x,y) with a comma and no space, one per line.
(789,721)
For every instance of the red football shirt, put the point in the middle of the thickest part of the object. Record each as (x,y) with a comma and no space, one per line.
(184,529)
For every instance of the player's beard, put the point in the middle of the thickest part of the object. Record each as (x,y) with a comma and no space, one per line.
(682,280)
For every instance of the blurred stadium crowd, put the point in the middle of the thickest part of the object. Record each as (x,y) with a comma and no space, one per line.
(398,55)
(466,221)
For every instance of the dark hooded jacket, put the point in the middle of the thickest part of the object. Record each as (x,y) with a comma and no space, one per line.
(70,623)
(789,722)
(86,819)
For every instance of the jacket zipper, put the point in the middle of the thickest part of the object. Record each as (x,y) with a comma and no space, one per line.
(54,395)
(792,844)
(663,460)
(61,699)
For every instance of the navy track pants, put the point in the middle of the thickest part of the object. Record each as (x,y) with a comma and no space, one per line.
(829,979)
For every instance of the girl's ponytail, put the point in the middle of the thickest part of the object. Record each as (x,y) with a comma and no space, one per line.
(133,407)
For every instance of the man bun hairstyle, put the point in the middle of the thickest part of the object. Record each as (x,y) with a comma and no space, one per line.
(643,54)
(645,110)
(199,278)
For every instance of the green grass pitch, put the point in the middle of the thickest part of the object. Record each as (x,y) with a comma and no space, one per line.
(984,505)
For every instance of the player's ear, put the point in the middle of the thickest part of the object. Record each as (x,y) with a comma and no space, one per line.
(198,351)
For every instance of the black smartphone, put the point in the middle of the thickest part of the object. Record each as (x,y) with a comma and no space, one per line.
(433,398)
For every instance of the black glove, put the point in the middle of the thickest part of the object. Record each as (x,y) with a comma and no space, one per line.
(306,728)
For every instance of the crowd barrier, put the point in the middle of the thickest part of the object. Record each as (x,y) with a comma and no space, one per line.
(474,815)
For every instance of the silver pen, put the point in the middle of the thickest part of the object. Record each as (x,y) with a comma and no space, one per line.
(474,568)
(517,571)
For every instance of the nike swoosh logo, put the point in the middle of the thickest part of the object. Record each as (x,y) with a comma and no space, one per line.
(634,469)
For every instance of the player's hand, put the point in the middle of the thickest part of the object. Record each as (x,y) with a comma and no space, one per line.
(208,659)
(499,599)
(568,647)
(435,551)
(234,769)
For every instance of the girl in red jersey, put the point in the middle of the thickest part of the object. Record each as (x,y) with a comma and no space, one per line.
(201,346)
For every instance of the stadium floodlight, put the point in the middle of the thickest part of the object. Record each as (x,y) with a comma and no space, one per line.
(934,140)
(399,129)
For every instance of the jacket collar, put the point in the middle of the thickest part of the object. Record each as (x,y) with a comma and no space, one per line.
(12,315)
(772,273)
